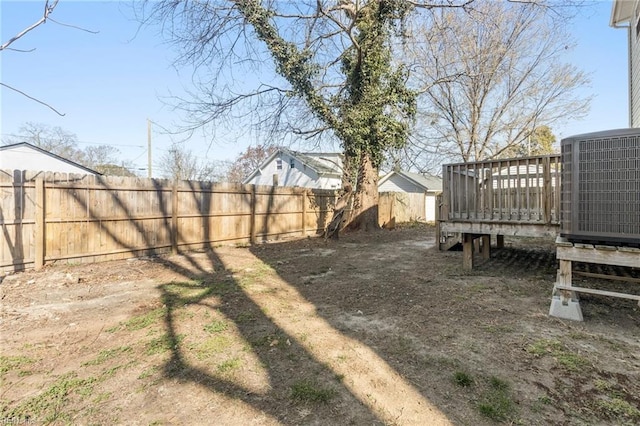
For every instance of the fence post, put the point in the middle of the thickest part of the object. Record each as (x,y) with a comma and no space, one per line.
(437,219)
(253,230)
(40,225)
(547,194)
(174,218)
(304,213)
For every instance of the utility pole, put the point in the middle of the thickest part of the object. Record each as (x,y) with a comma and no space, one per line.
(149,148)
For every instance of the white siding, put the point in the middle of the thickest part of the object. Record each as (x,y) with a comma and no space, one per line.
(25,158)
(430,207)
(299,175)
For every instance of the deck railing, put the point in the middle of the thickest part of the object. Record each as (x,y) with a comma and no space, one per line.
(520,190)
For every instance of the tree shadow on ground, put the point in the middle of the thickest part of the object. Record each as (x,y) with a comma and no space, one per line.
(286,363)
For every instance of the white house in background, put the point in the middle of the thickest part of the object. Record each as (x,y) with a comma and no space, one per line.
(626,14)
(414,183)
(24,156)
(308,170)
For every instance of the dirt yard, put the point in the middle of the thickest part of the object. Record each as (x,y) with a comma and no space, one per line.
(374,328)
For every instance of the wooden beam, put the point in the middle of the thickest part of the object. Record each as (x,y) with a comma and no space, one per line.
(590,254)
(522,229)
(599,292)
(607,276)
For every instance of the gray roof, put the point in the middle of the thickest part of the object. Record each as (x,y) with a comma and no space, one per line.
(324,163)
(52,155)
(425,180)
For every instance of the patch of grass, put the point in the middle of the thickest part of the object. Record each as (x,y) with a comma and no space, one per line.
(571,361)
(9,363)
(619,409)
(101,397)
(496,403)
(578,335)
(112,370)
(476,288)
(148,373)
(49,406)
(342,358)
(184,293)
(462,379)
(309,391)
(613,405)
(162,344)
(543,347)
(257,272)
(213,345)
(546,400)
(563,356)
(244,317)
(270,341)
(216,327)
(540,403)
(602,385)
(141,321)
(229,365)
(108,354)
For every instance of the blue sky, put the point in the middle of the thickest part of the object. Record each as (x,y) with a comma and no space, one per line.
(108,84)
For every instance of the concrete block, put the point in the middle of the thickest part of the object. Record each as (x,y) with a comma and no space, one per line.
(566,309)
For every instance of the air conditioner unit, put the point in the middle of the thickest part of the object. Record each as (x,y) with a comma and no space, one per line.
(600,194)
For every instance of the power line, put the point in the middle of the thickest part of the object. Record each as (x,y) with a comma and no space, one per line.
(81,142)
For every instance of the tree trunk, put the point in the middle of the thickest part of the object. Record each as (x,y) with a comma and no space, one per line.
(365,205)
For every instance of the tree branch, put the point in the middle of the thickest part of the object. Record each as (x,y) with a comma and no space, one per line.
(33,99)
(47,11)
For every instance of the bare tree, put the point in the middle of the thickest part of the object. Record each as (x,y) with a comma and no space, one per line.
(179,163)
(248,161)
(489,76)
(53,139)
(338,76)
(48,8)
(65,144)
(541,141)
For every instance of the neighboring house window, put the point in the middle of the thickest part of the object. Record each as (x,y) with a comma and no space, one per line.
(292,163)
(279,164)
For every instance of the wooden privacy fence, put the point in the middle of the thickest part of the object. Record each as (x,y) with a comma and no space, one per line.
(521,190)
(50,217)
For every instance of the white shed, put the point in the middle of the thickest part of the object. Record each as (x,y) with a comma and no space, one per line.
(24,156)
(414,183)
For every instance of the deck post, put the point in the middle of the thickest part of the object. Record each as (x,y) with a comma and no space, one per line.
(565,303)
(486,247)
(467,252)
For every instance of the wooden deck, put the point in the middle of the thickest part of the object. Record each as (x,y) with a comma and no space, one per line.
(520,197)
(517,197)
